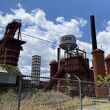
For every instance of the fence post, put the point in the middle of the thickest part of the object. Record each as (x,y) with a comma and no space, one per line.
(80,91)
(19,95)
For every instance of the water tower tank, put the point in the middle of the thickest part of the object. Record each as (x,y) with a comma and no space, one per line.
(68,42)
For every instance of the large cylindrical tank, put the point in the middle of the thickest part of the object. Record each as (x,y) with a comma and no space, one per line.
(98,63)
(9,52)
(53,68)
(62,61)
(107,61)
(9,56)
(68,42)
(99,69)
(75,65)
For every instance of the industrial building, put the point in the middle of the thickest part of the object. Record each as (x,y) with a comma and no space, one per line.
(10,48)
(35,71)
(75,63)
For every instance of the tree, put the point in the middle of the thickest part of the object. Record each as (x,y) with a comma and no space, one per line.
(10,69)
(105,81)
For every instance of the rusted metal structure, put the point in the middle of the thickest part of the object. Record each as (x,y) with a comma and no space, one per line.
(99,69)
(73,63)
(107,61)
(98,63)
(98,60)
(53,81)
(77,66)
(9,46)
(98,54)
(53,68)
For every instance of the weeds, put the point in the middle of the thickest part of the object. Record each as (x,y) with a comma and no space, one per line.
(41,101)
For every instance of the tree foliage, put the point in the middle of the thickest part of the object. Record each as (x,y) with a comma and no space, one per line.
(104,80)
(10,69)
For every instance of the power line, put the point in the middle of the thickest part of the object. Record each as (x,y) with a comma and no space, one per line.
(35,37)
(39,38)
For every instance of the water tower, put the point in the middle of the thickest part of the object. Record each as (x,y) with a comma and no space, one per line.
(75,59)
(73,64)
(68,43)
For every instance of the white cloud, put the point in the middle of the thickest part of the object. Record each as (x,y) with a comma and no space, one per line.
(84,46)
(36,24)
(60,19)
(103,38)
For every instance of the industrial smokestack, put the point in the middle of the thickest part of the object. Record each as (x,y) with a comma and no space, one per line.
(58,57)
(93,33)
(58,54)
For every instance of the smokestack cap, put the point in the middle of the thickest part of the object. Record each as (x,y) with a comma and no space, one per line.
(97,50)
(62,60)
(107,57)
(53,62)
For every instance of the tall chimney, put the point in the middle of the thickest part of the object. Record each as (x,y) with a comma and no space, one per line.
(99,69)
(98,60)
(93,33)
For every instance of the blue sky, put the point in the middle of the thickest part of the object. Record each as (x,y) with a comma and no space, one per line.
(67,9)
(53,18)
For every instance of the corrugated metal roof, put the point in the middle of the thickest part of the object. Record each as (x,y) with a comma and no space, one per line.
(7,79)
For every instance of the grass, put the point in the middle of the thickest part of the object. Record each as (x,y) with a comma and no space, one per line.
(41,101)
(8,101)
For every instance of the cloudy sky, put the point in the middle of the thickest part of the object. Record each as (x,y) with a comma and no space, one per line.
(49,20)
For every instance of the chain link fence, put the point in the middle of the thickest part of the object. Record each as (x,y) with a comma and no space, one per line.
(28,94)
